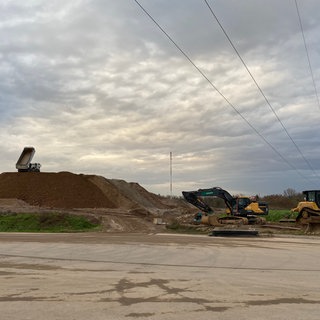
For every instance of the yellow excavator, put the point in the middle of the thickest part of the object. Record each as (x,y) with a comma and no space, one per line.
(239,210)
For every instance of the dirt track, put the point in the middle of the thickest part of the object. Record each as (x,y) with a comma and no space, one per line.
(135,276)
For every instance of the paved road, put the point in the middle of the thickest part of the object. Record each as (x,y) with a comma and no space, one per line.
(134,276)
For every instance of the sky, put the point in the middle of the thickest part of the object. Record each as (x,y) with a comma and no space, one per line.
(111,88)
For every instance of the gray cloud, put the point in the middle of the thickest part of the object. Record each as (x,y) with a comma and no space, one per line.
(96,87)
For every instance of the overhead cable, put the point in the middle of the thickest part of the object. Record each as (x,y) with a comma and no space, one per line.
(259,88)
(306,48)
(220,93)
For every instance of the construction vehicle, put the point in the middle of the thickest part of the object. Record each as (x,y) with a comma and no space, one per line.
(24,162)
(309,209)
(239,210)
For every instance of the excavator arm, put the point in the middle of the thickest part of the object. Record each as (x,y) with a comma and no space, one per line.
(194,197)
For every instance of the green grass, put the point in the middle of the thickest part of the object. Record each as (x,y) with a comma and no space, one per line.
(45,222)
(276,215)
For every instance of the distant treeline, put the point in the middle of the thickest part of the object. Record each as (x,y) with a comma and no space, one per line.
(288,200)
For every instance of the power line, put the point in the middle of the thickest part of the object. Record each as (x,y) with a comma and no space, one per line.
(220,93)
(259,88)
(305,46)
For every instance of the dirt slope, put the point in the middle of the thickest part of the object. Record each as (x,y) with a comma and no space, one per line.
(122,206)
(68,190)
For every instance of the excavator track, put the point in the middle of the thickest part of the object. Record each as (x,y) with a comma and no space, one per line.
(216,221)
(310,220)
(234,220)
(306,215)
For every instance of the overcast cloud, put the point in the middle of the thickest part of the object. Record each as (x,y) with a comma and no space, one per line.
(96,87)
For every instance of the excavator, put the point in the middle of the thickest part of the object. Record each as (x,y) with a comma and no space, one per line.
(239,210)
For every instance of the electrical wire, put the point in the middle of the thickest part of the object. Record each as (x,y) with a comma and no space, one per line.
(219,92)
(306,48)
(260,90)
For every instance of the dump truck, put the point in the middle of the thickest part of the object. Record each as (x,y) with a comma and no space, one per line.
(24,162)
(239,210)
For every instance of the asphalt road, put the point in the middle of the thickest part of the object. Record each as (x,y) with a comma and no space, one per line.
(140,276)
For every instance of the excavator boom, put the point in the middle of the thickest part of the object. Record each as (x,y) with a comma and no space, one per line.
(194,197)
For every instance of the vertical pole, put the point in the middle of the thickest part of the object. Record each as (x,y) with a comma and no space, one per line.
(170,174)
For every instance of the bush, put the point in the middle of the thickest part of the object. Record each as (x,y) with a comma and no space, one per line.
(278,201)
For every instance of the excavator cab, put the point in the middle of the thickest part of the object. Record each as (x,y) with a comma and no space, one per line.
(241,204)
(244,206)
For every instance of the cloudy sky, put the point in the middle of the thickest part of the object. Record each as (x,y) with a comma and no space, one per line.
(98,88)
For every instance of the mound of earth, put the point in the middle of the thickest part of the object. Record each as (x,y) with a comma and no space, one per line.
(120,205)
(68,190)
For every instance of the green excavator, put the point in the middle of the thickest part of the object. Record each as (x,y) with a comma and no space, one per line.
(239,209)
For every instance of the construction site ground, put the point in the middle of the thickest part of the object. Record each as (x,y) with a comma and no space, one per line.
(158,276)
(118,205)
(134,268)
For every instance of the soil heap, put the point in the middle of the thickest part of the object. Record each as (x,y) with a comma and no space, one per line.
(67,190)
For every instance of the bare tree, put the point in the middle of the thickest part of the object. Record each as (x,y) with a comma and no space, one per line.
(290,193)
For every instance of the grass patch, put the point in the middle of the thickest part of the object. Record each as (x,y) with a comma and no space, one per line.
(46,222)
(276,215)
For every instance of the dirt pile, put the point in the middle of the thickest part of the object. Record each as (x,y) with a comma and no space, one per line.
(68,190)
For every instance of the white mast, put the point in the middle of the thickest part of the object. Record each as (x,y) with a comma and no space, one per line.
(170,174)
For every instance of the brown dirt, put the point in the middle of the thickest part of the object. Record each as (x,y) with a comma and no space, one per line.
(68,190)
(121,206)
